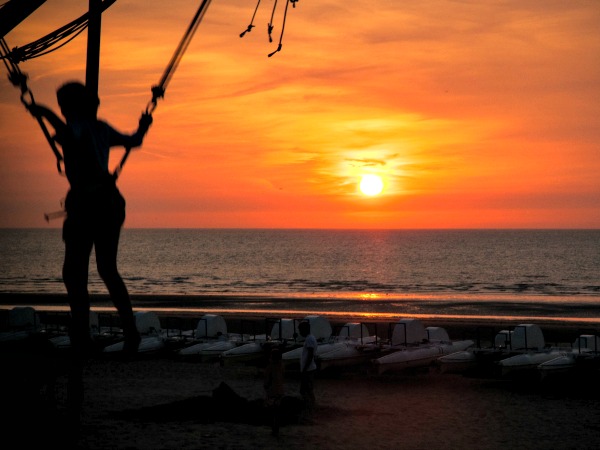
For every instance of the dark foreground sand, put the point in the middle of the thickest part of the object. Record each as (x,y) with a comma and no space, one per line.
(164,403)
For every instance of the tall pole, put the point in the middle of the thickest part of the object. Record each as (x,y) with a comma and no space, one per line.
(93,46)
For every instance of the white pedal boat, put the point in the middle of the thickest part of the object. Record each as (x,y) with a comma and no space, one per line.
(152,337)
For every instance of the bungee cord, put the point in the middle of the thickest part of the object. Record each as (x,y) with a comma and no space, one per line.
(270,26)
(249,29)
(287,3)
(45,44)
(158,91)
(19,79)
(39,48)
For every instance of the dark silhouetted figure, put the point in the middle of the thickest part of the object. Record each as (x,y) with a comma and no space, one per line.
(95,208)
(308,365)
(274,389)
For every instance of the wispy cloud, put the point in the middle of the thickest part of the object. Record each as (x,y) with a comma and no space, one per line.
(463,107)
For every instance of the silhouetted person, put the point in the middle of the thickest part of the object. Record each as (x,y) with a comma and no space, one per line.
(95,208)
(274,388)
(308,365)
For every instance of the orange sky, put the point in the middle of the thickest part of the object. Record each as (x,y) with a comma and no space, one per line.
(474,115)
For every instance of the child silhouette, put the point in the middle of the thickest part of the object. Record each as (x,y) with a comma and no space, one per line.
(95,208)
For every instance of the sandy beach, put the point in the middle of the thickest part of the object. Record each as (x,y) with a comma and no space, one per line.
(161,402)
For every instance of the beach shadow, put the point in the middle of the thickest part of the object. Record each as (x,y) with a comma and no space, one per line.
(224,405)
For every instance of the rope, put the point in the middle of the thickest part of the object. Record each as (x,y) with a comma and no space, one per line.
(39,48)
(249,29)
(44,45)
(287,3)
(270,24)
(119,168)
(19,79)
(158,91)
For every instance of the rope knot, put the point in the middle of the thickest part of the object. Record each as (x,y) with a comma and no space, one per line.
(19,79)
(157,92)
(248,30)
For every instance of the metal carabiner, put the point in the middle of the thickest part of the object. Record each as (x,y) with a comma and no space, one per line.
(25,92)
(157,92)
(151,106)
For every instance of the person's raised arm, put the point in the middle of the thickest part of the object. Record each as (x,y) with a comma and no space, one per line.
(135,139)
(46,113)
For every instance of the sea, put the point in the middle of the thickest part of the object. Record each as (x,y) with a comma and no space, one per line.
(460,272)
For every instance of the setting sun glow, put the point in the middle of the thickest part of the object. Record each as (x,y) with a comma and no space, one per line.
(335,122)
(371,185)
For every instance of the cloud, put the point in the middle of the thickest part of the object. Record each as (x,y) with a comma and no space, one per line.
(477,105)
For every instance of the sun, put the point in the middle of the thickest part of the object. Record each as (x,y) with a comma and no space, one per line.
(371,184)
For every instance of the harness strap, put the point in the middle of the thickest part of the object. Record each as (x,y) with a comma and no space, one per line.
(19,79)
(119,168)
(158,91)
(270,24)
(287,3)
(249,29)
(182,47)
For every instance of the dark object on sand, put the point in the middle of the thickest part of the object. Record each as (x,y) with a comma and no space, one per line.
(225,405)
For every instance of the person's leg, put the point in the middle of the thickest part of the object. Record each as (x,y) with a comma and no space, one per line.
(304,386)
(78,246)
(307,389)
(275,416)
(311,389)
(106,244)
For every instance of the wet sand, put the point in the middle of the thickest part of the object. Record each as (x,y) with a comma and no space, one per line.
(462,319)
(161,402)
